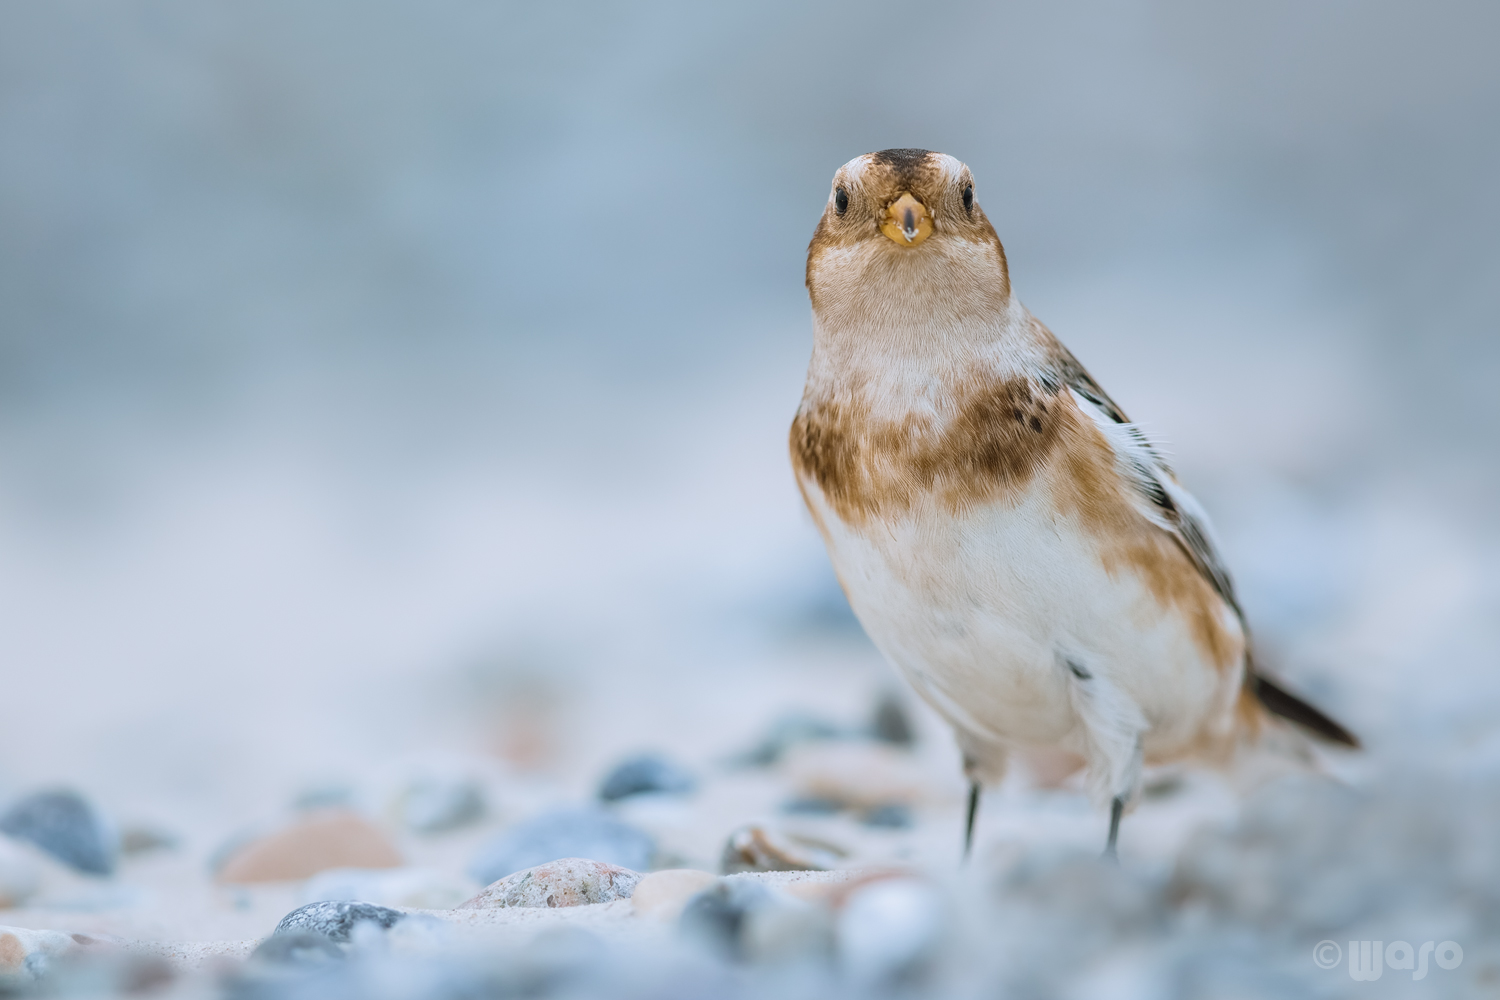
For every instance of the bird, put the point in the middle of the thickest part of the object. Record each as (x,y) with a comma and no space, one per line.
(1017,547)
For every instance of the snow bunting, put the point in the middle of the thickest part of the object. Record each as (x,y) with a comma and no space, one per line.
(1009,540)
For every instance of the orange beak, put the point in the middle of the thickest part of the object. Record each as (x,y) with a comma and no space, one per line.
(906,221)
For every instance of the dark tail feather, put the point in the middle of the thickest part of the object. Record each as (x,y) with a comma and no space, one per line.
(1279,701)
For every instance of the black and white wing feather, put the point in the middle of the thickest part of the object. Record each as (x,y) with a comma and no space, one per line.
(1164,502)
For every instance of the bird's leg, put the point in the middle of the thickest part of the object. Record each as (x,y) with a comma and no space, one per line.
(1116,808)
(973,814)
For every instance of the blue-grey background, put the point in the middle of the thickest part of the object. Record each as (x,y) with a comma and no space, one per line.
(344,346)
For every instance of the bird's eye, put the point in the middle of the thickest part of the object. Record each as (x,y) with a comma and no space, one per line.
(968,197)
(841,201)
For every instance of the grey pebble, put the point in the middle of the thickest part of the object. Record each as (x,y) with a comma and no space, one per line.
(297,948)
(786,732)
(890,722)
(66,826)
(812,806)
(715,917)
(432,805)
(743,921)
(335,920)
(564,833)
(645,774)
(891,816)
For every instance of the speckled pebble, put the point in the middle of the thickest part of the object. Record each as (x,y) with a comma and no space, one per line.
(336,920)
(567,882)
(65,825)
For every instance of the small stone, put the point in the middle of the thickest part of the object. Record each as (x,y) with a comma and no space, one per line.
(140,839)
(65,825)
(891,816)
(336,920)
(433,805)
(786,930)
(662,895)
(806,805)
(715,917)
(327,795)
(645,774)
(788,731)
(890,723)
(741,920)
(754,848)
(568,882)
(317,842)
(297,948)
(860,774)
(888,929)
(565,833)
(20,874)
(25,954)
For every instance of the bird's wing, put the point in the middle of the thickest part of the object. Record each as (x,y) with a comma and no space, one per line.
(1161,498)
(1164,502)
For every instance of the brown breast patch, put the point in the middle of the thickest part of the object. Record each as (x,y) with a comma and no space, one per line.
(998,438)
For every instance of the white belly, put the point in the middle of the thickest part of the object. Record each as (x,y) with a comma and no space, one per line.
(985,610)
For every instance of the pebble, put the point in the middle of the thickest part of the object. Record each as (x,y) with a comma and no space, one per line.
(296,948)
(891,816)
(786,930)
(141,839)
(646,774)
(418,888)
(319,841)
(714,918)
(25,954)
(740,920)
(65,825)
(857,773)
(568,882)
(587,832)
(336,920)
(662,895)
(811,806)
(890,723)
(20,874)
(755,848)
(434,805)
(790,730)
(888,929)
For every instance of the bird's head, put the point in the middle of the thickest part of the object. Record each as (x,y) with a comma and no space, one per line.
(903,241)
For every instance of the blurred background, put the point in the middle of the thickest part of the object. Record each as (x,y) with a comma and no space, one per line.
(368,370)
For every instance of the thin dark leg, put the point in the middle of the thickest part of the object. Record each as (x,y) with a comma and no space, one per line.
(1115,809)
(973,812)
